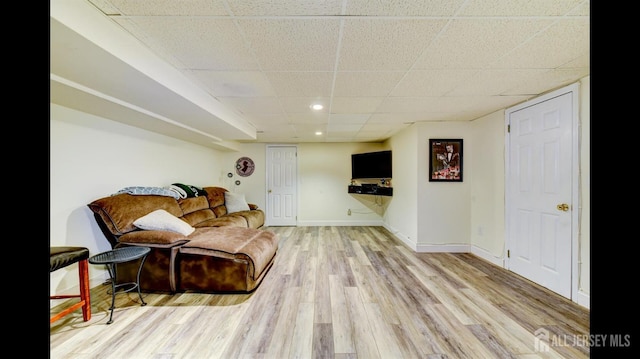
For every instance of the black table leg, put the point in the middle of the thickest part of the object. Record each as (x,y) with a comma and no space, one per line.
(138,280)
(111,269)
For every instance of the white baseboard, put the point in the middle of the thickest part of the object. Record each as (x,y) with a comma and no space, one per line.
(482,253)
(583,299)
(363,223)
(443,248)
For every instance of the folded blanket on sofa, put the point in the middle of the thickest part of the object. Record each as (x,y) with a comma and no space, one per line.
(179,191)
(188,190)
(149,190)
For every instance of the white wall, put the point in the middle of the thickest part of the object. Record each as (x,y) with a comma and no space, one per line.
(324,174)
(487,187)
(252,186)
(90,158)
(402,214)
(444,208)
(470,216)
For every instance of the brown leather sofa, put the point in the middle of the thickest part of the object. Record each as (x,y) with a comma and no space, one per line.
(226,252)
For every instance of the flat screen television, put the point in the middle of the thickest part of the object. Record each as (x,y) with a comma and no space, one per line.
(371,165)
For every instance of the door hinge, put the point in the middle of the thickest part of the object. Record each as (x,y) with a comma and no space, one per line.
(508,128)
(508,253)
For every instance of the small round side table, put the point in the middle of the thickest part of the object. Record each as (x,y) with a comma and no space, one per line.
(121,255)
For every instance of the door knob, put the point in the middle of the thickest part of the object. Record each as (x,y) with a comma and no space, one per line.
(563,207)
(269,191)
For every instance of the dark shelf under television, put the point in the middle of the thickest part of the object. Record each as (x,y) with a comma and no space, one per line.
(371,189)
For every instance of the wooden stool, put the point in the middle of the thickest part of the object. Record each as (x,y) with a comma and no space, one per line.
(60,257)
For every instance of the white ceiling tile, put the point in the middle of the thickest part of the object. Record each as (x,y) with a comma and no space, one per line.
(253,104)
(359,84)
(473,43)
(424,104)
(385,44)
(309,118)
(495,82)
(518,7)
(403,7)
(303,104)
(277,133)
(296,84)
(197,43)
(584,9)
(582,62)
(355,104)
(400,118)
(235,83)
(285,7)
(382,63)
(430,82)
(106,7)
(262,121)
(343,128)
(293,44)
(482,105)
(558,45)
(554,78)
(304,129)
(165,7)
(348,118)
(381,127)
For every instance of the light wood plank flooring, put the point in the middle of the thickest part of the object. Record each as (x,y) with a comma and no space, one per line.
(338,292)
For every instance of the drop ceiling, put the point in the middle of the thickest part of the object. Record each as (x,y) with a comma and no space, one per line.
(222,72)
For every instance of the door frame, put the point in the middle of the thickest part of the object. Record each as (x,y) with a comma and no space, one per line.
(575,178)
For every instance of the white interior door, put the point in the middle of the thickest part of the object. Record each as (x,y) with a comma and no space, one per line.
(540,186)
(282,185)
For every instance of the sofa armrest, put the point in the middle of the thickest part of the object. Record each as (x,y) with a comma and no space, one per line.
(148,237)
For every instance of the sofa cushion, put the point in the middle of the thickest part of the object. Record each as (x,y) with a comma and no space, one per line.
(162,220)
(215,195)
(233,242)
(160,238)
(235,202)
(253,218)
(230,221)
(120,210)
(196,218)
(190,205)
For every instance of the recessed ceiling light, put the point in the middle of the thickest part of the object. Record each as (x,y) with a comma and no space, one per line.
(318,133)
(317,107)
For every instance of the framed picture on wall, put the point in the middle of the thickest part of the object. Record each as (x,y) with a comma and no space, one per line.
(445,160)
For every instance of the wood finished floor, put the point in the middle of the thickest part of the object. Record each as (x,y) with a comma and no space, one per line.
(338,292)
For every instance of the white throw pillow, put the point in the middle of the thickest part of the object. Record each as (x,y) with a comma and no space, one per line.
(162,220)
(235,202)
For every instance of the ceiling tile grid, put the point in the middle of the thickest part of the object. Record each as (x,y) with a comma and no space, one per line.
(376,66)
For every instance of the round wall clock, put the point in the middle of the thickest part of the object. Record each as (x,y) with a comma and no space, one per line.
(245,166)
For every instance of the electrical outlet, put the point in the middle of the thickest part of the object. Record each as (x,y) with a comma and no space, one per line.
(349,212)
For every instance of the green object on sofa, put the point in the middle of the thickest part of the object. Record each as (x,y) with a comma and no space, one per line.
(226,252)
